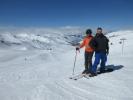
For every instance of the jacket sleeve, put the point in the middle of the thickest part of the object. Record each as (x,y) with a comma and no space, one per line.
(93,43)
(82,44)
(107,44)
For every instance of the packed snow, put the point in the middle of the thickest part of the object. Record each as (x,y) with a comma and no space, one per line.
(37,64)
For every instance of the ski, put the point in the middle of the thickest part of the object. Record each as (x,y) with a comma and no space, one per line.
(79,76)
(76,77)
(87,76)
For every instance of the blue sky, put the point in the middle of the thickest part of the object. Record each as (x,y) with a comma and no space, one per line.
(111,14)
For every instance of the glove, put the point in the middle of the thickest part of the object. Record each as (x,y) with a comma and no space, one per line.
(77,48)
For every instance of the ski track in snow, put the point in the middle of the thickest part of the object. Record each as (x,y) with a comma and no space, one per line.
(43,75)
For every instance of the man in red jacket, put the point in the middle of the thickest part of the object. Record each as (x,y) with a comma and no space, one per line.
(88,51)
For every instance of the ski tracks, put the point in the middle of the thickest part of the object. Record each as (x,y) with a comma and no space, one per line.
(67,90)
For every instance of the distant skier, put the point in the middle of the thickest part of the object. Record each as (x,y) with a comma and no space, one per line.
(100,44)
(88,51)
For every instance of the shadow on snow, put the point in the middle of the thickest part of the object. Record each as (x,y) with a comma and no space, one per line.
(111,68)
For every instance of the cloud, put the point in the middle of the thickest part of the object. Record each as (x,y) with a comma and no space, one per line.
(41,30)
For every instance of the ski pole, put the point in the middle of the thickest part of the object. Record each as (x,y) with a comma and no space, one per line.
(74,63)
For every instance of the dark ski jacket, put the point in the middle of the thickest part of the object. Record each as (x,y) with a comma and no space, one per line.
(100,43)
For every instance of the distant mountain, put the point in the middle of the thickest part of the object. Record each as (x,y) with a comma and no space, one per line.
(43,39)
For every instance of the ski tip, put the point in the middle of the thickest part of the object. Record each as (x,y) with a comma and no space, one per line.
(72,78)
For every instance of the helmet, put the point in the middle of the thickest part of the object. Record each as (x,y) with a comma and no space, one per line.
(88,31)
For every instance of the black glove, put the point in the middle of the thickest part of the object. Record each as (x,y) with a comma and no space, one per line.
(77,48)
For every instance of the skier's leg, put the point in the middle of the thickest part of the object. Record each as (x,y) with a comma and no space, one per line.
(86,62)
(96,62)
(103,61)
(90,61)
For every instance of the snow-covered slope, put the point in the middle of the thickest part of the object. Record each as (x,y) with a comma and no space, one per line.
(42,74)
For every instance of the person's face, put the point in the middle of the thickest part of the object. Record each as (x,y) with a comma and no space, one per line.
(99,31)
(87,34)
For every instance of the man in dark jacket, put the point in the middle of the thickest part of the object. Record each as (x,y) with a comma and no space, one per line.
(100,45)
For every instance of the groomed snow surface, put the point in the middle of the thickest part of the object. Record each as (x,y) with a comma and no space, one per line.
(33,74)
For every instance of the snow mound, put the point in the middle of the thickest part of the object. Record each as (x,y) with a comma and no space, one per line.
(117,39)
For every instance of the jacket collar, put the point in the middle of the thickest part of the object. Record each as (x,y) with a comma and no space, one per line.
(89,36)
(99,35)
